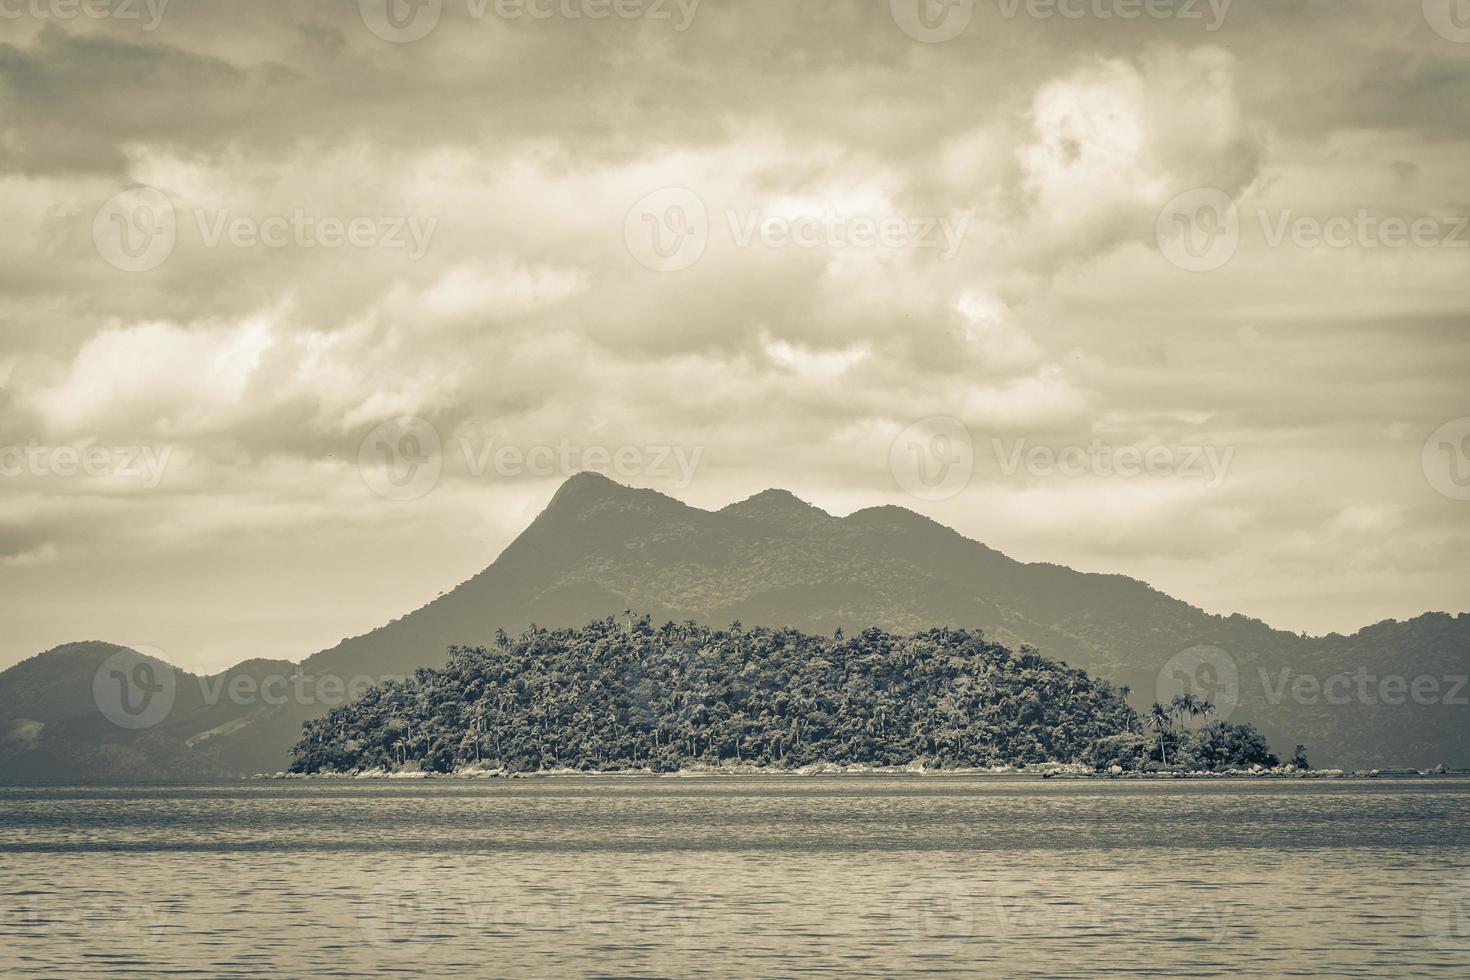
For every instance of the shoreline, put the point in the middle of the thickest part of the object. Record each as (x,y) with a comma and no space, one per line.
(1034,771)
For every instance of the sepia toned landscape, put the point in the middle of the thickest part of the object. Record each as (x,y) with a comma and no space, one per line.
(678,488)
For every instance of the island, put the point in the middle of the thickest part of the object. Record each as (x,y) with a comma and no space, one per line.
(621,694)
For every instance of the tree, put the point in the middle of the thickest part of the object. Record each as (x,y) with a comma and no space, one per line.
(1162,722)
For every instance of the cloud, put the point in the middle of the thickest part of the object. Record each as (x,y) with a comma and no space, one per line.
(1048,145)
(1115,141)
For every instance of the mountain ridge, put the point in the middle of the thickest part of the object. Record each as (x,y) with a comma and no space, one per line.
(599,547)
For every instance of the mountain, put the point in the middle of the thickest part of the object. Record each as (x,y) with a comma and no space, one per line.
(599,548)
(62,718)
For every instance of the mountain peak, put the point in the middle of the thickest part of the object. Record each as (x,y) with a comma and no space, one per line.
(589,497)
(586,482)
(589,490)
(776,505)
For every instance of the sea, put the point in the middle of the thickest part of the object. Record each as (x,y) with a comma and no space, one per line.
(772,876)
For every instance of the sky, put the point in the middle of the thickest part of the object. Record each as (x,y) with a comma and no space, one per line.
(307,308)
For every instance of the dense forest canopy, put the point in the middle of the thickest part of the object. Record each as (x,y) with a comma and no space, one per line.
(627,694)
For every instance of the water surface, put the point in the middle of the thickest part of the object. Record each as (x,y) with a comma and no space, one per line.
(774,876)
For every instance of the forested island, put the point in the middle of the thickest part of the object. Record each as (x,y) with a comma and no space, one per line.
(623,694)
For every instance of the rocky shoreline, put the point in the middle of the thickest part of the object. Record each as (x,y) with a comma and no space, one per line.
(1045,770)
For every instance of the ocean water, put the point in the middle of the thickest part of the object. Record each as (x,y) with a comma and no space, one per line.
(757,877)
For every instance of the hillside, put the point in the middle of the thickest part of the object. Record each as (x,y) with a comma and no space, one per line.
(599,548)
(616,696)
(55,728)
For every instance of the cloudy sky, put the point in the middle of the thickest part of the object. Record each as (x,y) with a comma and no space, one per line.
(306,308)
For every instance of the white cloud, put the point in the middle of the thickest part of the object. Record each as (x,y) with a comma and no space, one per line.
(1113,142)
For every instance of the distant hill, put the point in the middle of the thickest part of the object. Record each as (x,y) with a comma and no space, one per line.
(53,730)
(599,548)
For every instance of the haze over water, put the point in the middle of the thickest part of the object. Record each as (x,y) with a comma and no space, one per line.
(750,877)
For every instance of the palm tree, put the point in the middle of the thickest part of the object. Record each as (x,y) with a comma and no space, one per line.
(1161,720)
(1200,708)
